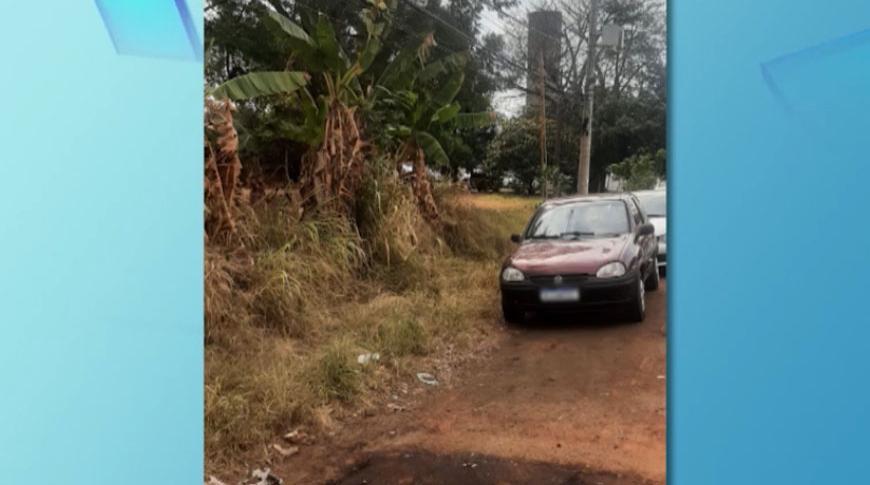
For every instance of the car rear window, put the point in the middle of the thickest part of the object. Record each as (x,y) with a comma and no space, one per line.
(580,219)
(654,204)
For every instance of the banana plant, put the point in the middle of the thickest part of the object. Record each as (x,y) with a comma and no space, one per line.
(325,94)
(325,73)
(414,101)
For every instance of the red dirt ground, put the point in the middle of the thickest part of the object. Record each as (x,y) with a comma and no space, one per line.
(579,401)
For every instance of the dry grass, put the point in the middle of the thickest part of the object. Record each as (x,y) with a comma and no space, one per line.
(501,202)
(287,317)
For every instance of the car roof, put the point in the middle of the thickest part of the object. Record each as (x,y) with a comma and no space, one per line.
(587,198)
(651,191)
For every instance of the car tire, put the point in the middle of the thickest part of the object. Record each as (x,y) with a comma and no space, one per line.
(637,310)
(512,314)
(652,280)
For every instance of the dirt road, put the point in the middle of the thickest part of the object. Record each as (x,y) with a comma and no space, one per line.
(558,402)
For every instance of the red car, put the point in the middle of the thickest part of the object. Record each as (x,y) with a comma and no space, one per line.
(581,253)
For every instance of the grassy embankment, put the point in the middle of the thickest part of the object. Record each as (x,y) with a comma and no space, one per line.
(287,316)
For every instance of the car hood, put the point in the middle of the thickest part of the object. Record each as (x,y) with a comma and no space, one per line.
(661,225)
(567,256)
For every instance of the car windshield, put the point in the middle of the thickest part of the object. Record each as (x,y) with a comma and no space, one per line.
(654,203)
(580,219)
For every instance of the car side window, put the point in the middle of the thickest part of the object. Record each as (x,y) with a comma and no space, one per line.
(636,214)
(640,211)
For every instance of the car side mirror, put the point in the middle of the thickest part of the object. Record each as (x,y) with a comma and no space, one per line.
(646,230)
(516,238)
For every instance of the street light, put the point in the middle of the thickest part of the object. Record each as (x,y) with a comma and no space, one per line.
(612,36)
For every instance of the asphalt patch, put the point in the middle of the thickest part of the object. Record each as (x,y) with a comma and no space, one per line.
(426,468)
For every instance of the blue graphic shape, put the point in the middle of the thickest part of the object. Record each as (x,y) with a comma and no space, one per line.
(767,333)
(150,28)
(823,79)
(101,254)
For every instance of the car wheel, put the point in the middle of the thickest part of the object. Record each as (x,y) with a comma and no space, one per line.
(512,314)
(637,310)
(652,280)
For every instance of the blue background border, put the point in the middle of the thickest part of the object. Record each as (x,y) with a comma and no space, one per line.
(100,248)
(768,337)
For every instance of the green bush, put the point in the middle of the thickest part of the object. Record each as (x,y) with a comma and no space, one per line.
(641,171)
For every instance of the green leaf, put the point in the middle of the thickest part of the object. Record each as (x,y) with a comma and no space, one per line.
(446,113)
(408,99)
(368,53)
(435,155)
(292,29)
(448,90)
(327,43)
(474,120)
(303,47)
(401,72)
(452,63)
(261,84)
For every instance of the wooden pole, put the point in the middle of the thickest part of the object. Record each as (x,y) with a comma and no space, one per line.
(589,105)
(542,120)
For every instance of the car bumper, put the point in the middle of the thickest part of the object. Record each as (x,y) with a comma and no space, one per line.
(595,293)
(662,254)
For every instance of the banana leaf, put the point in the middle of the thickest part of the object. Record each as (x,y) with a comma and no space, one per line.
(292,29)
(435,154)
(261,84)
(332,55)
(451,63)
(446,113)
(449,89)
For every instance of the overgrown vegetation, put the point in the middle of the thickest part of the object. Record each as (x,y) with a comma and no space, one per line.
(326,239)
(286,319)
(354,252)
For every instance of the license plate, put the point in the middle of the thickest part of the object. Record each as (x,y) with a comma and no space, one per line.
(559,295)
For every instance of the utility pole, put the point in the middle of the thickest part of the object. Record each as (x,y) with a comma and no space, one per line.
(542,119)
(589,104)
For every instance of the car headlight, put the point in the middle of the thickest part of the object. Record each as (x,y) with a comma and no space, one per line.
(512,274)
(611,270)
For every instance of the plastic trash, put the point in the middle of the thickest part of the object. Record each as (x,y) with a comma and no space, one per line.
(427,378)
(364,359)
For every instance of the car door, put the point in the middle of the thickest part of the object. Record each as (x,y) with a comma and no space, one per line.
(646,243)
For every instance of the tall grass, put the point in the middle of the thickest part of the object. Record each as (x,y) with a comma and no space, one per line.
(474,232)
(287,316)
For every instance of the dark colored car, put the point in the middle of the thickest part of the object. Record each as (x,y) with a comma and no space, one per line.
(580,253)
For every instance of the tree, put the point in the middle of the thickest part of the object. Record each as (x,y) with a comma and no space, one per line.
(414,102)
(641,171)
(243,40)
(411,100)
(327,120)
(630,83)
(514,152)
